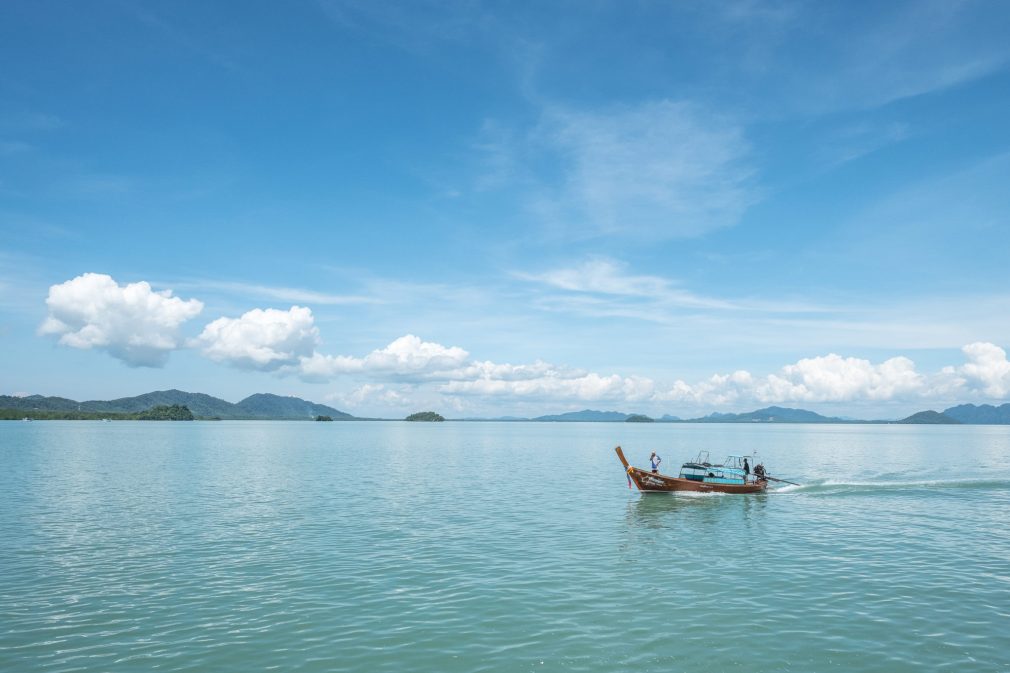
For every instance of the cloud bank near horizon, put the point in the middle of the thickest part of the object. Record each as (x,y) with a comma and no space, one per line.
(141,327)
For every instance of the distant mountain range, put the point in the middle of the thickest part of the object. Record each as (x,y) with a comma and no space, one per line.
(585,415)
(259,406)
(967,414)
(770,415)
(276,407)
(983,414)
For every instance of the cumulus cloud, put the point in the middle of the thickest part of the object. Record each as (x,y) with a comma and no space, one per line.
(262,339)
(406,357)
(587,387)
(131,322)
(828,378)
(371,393)
(141,327)
(820,379)
(834,378)
(987,368)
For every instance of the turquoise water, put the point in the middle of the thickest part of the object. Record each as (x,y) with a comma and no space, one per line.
(388,546)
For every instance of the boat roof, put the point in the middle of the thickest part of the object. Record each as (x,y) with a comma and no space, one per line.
(719,468)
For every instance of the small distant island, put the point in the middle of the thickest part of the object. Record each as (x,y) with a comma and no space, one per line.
(324,418)
(425,417)
(639,418)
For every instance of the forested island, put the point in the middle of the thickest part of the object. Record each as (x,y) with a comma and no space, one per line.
(425,417)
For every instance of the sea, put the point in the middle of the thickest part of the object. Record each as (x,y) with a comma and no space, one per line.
(498,546)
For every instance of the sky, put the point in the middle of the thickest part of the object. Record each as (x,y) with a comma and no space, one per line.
(491,209)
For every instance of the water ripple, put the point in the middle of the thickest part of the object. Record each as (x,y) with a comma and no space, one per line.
(383,547)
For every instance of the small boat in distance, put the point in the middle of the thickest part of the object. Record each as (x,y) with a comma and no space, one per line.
(699,476)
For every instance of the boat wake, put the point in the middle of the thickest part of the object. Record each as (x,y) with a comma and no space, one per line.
(838,487)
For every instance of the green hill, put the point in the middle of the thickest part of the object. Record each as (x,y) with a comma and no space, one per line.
(199,404)
(260,406)
(265,405)
(930,418)
(639,418)
(770,415)
(38,403)
(983,414)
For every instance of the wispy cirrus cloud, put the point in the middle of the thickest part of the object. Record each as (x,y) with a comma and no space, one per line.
(602,276)
(872,58)
(661,169)
(281,293)
(603,286)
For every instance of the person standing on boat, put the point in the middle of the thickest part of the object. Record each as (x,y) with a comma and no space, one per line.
(655,460)
(746,470)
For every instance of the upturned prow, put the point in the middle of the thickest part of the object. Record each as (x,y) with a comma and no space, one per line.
(620,454)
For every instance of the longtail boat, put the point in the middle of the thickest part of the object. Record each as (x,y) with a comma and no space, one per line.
(699,476)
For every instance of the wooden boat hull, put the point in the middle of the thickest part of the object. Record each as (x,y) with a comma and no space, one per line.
(647,481)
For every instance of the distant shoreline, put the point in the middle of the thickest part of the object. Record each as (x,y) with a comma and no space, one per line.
(266,406)
(6,415)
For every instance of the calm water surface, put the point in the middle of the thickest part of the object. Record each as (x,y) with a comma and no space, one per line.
(238,546)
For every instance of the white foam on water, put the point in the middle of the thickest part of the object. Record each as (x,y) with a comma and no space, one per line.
(845,485)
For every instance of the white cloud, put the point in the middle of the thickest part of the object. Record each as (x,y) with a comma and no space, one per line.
(371,393)
(588,387)
(601,276)
(987,368)
(409,354)
(131,322)
(432,368)
(602,287)
(508,372)
(656,170)
(263,339)
(406,357)
(834,378)
(829,378)
(286,294)
(141,327)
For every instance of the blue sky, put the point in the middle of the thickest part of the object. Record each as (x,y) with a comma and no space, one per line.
(492,209)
